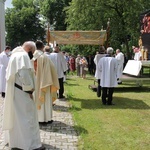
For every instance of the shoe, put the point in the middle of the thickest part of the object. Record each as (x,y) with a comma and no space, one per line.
(119,82)
(40,148)
(49,122)
(110,104)
(43,123)
(61,97)
(104,103)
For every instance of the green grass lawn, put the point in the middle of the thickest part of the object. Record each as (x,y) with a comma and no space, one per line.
(123,126)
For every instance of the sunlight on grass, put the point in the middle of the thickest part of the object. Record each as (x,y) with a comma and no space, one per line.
(124,126)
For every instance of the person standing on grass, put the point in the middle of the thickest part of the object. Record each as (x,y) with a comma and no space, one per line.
(97,57)
(77,60)
(61,67)
(108,74)
(72,64)
(120,57)
(83,67)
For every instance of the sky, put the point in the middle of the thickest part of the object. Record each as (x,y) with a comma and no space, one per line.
(8,4)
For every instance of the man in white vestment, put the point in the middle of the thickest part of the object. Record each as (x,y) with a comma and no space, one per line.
(47,51)
(46,84)
(137,53)
(108,67)
(20,113)
(61,67)
(97,57)
(120,57)
(4,58)
(77,60)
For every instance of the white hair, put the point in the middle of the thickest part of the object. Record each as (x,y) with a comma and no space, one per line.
(110,50)
(30,43)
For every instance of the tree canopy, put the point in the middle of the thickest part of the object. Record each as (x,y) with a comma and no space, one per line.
(24,20)
(53,11)
(124,19)
(23,23)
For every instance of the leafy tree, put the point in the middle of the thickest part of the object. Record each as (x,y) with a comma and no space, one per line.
(124,19)
(23,23)
(53,11)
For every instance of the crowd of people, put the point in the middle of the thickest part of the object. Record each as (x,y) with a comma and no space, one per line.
(32,78)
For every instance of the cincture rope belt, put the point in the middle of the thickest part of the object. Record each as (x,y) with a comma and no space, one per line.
(19,87)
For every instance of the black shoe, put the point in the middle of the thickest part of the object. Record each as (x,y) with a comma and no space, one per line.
(110,104)
(40,148)
(3,94)
(49,122)
(119,82)
(43,123)
(104,103)
(60,97)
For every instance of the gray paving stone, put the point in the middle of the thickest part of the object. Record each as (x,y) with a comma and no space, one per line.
(60,135)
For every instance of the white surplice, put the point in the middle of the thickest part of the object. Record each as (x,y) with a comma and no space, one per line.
(120,58)
(59,63)
(137,56)
(20,114)
(108,68)
(3,65)
(96,60)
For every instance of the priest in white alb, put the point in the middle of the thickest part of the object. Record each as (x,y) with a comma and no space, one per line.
(20,113)
(4,58)
(97,57)
(120,57)
(61,67)
(46,84)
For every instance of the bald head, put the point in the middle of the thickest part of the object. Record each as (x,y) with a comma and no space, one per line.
(47,49)
(117,51)
(29,46)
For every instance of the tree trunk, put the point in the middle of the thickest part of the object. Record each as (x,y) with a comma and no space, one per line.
(127,49)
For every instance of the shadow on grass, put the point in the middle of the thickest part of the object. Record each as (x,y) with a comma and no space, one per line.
(70,84)
(70,79)
(63,128)
(129,89)
(120,103)
(132,89)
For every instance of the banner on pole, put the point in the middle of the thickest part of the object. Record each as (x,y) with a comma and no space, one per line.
(78,37)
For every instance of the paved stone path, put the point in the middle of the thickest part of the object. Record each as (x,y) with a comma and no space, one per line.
(60,135)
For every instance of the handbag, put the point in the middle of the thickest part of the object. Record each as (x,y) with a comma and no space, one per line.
(85,68)
(98,91)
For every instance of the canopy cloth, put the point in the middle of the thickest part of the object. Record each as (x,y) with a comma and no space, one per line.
(78,37)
